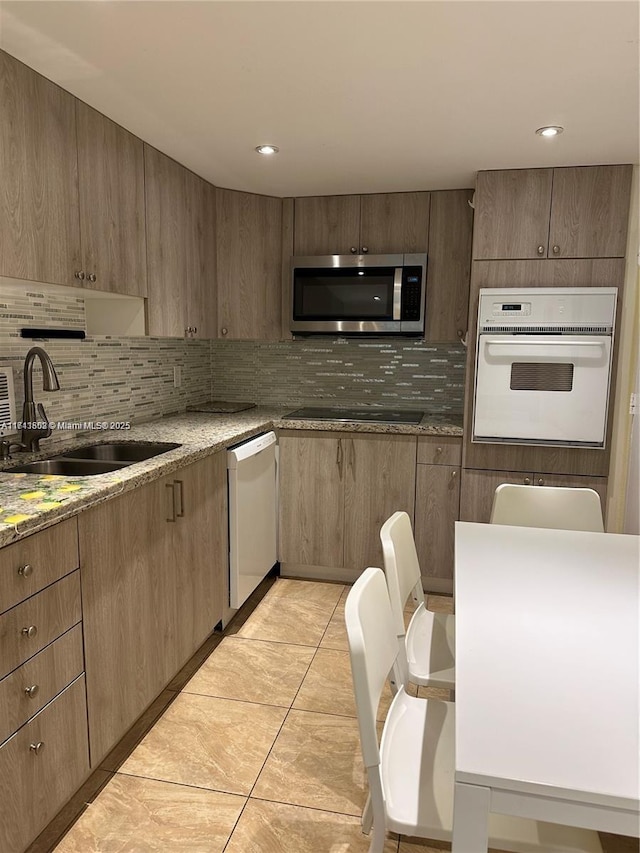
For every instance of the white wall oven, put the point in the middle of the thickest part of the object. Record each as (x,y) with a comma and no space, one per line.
(543,365)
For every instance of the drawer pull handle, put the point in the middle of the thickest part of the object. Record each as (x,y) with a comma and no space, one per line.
(541,482)
(36,748)
(25,571)
(30,632)
(527,481)
(31,692)
(438,450)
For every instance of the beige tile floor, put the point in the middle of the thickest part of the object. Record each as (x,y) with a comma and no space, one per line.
(253,749)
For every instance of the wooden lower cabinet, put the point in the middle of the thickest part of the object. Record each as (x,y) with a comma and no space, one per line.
(336,490)
(478,488)
(152,563)
(437,510)
(41,766)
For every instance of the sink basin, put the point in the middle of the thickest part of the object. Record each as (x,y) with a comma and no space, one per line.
(67,467)
(126,452)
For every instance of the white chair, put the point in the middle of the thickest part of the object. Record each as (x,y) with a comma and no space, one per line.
(557,507)
(427,645)
(411,770)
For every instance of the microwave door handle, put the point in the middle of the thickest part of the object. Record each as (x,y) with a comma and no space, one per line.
(397,293)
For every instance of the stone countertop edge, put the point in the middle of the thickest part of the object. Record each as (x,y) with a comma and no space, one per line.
(199,437)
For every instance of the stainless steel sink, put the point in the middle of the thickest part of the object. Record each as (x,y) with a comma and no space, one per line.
(67,467)
(95,459)
(128,452)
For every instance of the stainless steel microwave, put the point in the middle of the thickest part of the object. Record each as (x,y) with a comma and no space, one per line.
(358,294)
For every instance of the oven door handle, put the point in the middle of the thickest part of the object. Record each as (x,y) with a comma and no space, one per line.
(529,343)
(397,294)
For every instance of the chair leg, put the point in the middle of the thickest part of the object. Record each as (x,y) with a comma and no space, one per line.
(367,816)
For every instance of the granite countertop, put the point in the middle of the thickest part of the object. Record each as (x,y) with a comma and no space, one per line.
(31,502)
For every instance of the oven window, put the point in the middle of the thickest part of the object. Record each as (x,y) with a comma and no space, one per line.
(541,376)
(343,294)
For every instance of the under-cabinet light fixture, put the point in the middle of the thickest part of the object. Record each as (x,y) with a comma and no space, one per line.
(550,130)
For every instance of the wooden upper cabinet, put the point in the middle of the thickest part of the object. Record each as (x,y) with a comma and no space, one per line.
(512,214)
(394,222)
(448,265)
(180,249)
(112,221)
(249,265)
(576,212)
(589,212)
(376,224)
(39,217)
(327,225)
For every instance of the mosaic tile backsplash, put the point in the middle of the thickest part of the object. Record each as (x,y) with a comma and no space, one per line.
(388,373)
(101,378)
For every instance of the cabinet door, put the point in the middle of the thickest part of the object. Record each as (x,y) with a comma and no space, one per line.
(589,212)
(128,601)
(200,551)
(478,488)
(512,210)
(311,498)
(112,221)
(327,225)
(598,484)
(380,479)
(394,222)
(449,265)
(199,292)
(437,510)
(167,245)
(39,218)
(249,239)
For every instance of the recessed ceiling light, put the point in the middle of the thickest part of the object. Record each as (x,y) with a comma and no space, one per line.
(551,130)
(267,149)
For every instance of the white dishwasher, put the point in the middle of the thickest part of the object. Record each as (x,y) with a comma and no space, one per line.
(252,477)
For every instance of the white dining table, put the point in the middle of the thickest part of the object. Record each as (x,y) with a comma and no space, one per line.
(547,679)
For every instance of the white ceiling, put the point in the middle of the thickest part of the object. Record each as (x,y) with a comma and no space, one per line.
(359,96)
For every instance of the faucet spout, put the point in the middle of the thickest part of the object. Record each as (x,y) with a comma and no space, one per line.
(35,424)
(49,376)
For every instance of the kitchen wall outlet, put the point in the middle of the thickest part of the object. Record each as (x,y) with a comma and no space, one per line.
(177,377)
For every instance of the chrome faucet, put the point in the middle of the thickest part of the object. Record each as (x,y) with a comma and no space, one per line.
(34,413)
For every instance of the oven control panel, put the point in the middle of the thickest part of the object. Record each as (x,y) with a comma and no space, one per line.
(511,309)
(544,308)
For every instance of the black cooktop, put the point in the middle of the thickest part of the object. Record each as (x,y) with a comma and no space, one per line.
(381,416)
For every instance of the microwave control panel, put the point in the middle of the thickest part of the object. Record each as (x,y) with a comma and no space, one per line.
(411,293)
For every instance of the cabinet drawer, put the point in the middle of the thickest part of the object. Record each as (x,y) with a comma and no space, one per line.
(34,786)
(439,450)
(49,555)
(51,612)
(50,671)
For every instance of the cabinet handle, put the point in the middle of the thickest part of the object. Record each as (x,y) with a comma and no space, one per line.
(339,453)
(80,275)
(30,632)
(454,474)
(173,501)
(527,481)
(25,571)
(354,250)
(541,482)
(91,276)
(224,331)
(180,485)
(541,250)
(31,692)
(556,250)
(36,748)
(365,250)
(438,450)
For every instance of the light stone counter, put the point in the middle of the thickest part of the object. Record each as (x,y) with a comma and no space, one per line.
(31,502)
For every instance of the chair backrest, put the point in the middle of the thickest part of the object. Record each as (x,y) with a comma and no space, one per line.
(401,565)
(373,649)
(556,507)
